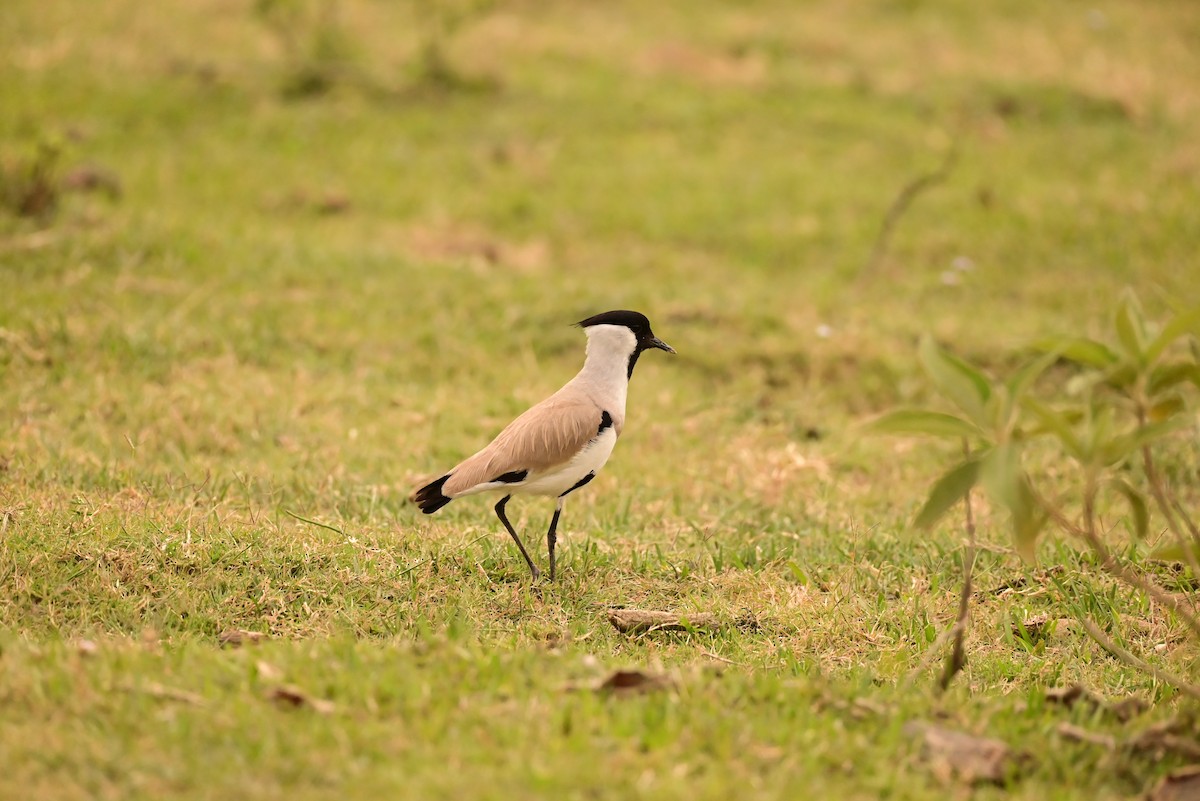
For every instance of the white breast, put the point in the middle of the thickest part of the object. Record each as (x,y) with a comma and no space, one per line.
(588,460)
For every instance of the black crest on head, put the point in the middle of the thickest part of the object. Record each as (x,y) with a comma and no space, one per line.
(634,321)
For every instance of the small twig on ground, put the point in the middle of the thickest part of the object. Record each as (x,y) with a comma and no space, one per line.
(314,522)
(957,659)
(720,658)
(1115,568)
(1107,643)
(1078,734)
(1131,577)
(633,621)
(904,199)
(1159,491)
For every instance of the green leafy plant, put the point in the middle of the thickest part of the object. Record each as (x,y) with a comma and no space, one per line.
(989,419)
(1097,437)
(315,46)
(438,23)
(30,184)
(320,52)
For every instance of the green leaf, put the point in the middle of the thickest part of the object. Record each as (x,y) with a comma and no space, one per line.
(1024,376)
(1008,485)
(1184,323)
(1121,376)
(1137,506)
(1101,420)
(1174,552)
(1056,423)
(1000,473)
(918,421)
(1120,447)
(1081,351)
(966,387)
(1166,408)
(1167,376)
(1155,431)
(1020,382)
(1130,326)
(948,490)
(1027,520)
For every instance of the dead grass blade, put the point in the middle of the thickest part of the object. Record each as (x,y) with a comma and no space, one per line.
(1124,710)
(1106,642)
(164,693)
(236,638)
(637,621)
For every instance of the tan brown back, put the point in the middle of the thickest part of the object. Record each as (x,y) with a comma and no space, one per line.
(544,437)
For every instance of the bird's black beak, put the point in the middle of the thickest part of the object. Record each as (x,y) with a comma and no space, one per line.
(655,342)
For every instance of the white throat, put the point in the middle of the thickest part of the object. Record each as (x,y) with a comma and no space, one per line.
(605,373)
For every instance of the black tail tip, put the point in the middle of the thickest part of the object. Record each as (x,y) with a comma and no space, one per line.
(429,498)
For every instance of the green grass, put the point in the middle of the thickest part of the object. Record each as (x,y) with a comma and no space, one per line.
(303,307)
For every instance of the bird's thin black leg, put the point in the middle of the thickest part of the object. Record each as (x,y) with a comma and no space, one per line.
(516,539)
(551,537)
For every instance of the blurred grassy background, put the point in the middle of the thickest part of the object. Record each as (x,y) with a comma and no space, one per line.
(263,276)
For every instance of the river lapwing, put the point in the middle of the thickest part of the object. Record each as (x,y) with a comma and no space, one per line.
(557,446)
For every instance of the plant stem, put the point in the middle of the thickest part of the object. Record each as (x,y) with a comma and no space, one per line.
(900,204)
(1191,524)
(957,659)
(1112,566)
(1159,491)
(1106,642)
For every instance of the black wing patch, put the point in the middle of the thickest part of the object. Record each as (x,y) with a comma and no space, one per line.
(515,477)
(605,423)
(579,483)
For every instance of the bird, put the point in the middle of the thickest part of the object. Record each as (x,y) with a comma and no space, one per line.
(557,446)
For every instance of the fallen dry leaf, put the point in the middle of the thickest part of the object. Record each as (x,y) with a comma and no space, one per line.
(292,696)
(1182,784)
(1070,695)
(634,621)
(966,757)
(1129,708)
(267,671)
(628,682)
(480,247)
(1069,731)
(1020,583)
(1168,737)
(324,202)
(864,708)
(91,178)
(236,638)
(1038,626)
(705,66)
(1124,710)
